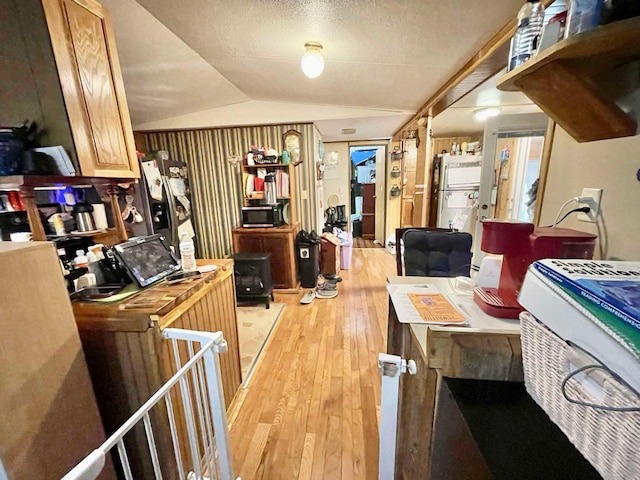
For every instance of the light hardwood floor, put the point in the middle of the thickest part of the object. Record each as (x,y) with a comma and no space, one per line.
(311,408)
(359,242)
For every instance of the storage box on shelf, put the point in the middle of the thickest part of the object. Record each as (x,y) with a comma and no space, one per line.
(27,184)
(67,78)
(572,82)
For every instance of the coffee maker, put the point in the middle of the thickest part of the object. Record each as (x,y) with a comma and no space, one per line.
(520,244)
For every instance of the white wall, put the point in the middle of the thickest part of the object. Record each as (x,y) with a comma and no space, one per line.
(319,197)
(340,185)
(610,165)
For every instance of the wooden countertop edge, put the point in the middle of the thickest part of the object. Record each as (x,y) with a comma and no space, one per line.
(139,320)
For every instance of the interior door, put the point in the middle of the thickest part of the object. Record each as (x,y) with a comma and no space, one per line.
(381,194)
(499,127)
(368,210)
(84,47)
(409,163)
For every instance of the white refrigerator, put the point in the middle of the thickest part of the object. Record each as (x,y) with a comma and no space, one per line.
(459,192)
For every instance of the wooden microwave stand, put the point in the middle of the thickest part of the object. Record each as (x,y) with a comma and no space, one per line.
(280,242)
(128,359)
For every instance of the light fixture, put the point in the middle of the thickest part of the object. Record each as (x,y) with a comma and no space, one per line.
(484,113)
(312,62)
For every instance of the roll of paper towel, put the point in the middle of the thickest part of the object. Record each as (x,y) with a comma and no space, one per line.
(100,216)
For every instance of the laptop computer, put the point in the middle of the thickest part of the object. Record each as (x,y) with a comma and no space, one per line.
(147,259)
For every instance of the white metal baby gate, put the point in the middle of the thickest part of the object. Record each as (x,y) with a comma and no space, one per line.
(198,382)
(390,368)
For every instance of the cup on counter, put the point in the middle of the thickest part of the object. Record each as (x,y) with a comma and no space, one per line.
(20,237)
(100,216)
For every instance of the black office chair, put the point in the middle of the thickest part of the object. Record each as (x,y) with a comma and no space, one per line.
(399,245)
(437,253)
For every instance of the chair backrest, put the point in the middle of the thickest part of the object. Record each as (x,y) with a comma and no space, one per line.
(437,253)
(399,248)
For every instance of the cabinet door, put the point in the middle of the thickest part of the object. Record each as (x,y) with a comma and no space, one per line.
(282,260)
(84,47)
(248,244)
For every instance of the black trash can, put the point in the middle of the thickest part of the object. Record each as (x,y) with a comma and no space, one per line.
(308,258)
(357,228)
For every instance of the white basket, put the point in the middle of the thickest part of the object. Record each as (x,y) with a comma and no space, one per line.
(609,440)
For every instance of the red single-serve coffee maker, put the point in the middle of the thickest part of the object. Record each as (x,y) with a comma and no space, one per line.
(521,244)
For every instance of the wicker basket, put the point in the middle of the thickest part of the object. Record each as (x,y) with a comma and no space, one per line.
(609,440)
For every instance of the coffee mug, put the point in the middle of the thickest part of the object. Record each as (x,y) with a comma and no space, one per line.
(20,236)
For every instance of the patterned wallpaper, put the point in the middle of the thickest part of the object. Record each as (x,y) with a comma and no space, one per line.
(217,187)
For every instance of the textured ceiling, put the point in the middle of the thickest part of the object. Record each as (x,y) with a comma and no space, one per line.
(379,55)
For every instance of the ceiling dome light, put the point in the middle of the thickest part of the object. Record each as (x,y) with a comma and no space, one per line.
(312,62)
(484,113)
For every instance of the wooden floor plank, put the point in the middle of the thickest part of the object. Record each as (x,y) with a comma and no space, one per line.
(310,410)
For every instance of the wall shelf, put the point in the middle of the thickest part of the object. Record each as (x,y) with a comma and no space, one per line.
(16,182)
(27,184)
(565,80)
(269,165)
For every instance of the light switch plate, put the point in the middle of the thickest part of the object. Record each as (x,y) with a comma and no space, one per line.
(594,204)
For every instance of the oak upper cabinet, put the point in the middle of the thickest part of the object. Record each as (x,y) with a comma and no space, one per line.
(84,48)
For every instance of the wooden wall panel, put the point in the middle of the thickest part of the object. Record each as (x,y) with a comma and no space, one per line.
(127,367)
(214,311)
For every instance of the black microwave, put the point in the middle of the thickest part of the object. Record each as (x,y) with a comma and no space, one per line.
(262,216)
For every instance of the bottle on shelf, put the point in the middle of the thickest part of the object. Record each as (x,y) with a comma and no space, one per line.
(187,253)
(81,259)
(524,42)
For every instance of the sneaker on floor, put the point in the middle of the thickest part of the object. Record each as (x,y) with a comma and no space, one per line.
(326,293)
(308,297)
(333,278)
(326,286)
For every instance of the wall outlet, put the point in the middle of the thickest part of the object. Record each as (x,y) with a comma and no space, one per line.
(594,204)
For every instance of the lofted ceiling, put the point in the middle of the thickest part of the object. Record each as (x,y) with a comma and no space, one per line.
(202,63)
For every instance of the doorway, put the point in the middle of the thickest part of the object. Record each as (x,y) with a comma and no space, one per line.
(512,154)
(367,191)
(516,172)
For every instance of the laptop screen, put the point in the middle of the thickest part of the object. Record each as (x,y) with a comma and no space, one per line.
(147,259)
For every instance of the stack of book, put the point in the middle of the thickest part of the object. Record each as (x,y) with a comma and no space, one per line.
(592,304)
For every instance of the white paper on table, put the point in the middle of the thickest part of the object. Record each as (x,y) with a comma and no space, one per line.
(459,220)
(407,312)
(404,288)
(154,179)
(186,227)
(458,200)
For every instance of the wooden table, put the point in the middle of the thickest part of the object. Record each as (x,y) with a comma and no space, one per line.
(466,414)
(487,350)
(128,360)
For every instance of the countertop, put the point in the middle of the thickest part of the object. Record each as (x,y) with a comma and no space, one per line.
(479,322)
(138,312)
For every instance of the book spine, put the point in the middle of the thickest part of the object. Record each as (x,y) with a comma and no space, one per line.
(585,295)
